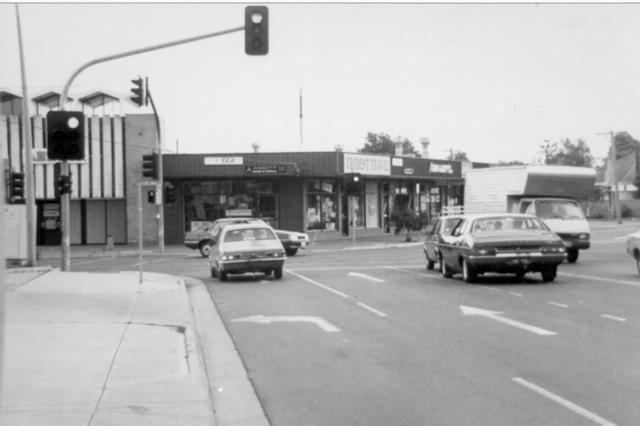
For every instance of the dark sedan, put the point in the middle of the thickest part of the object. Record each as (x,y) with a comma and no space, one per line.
(436,235)
(503,243)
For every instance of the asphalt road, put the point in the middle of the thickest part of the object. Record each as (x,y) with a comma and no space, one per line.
(370,337)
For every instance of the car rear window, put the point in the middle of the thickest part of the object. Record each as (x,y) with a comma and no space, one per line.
(249,234)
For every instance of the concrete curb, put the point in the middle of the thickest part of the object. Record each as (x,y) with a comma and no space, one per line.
(232,395)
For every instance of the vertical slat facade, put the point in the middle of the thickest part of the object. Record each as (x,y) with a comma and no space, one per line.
(107,160)
(118,157)
(84,176)
(95,157)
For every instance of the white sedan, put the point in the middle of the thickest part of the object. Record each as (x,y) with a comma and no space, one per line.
(633,247)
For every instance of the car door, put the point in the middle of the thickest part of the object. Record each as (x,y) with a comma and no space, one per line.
(452,244)
(431,241)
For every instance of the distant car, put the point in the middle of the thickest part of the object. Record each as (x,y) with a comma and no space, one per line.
(504,243)
(633,247)
(292,241)
(248,247)
(437,234)
(204,239)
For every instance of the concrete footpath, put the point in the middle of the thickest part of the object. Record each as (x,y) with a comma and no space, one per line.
(104,349)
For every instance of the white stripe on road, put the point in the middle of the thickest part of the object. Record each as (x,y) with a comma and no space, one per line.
(370,309)
(513,293)
(325,287)
(602,279)
(339,293)
(365,276)
(565,403)
(562,305)
(611,317)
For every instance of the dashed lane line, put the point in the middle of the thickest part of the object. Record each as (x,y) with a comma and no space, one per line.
(602,279)
(613,317)
(560,305)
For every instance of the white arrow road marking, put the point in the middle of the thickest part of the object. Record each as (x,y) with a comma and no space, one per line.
(365,276)
(565,403)
(468,310)
(320,322)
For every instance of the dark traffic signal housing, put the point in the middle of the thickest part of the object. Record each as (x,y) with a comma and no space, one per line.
(353,184)
(15,183)
(150,166)
(256,30)
(151,196)
(138,91)
(63,185)
(65,135)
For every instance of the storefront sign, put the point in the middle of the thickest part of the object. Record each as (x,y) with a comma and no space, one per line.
(397,162)
(367,164)
(223,161)
(265,170)
(237,212)
(440,168)
(409,171)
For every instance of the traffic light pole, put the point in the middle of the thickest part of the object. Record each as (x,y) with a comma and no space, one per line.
(64,199)
(160,189)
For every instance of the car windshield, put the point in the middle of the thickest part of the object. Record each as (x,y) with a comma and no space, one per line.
(558,209)
(249,234)
(506,223)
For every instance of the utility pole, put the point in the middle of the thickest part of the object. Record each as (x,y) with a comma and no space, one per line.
(64,171)
(160,188)
(613,154)
(30,198)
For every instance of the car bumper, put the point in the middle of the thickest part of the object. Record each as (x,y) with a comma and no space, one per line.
(253,265)
(513,263)
(577,244)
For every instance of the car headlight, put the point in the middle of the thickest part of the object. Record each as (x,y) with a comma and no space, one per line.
(228,257)
(583,236)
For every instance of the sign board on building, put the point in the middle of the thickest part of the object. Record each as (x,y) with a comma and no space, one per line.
(367,164)
(237,212)
(223,161)
(441,168)
(397,162)
(265,170)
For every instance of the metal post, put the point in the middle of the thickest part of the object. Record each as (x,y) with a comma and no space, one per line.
(352,219)
(65,222)
(160,189)
(30,199)
(614,153)
(140,233)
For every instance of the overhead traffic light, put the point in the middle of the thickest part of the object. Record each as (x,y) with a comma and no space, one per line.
(150,166)
(65,135)
(256,30)
(138,97)
(151,196)
(16,188)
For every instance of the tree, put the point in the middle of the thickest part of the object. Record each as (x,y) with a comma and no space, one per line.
(381,143)
(567,153)
(510,163)
(625,144)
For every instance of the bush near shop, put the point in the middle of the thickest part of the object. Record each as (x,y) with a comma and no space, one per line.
(408,220)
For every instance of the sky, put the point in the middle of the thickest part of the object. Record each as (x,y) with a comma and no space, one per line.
(491,80)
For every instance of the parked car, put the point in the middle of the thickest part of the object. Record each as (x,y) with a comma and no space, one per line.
(204,239)
(246,247)
(504,243)
(436,234)
(292,241)
(633,247)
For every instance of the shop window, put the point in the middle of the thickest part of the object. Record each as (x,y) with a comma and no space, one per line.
(322,206)
(372,209)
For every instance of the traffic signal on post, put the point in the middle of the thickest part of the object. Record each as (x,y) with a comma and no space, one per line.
(256,30)
(65,135)
(150,166)
(138,91)
(16,188)
(151,196)
(170,194)
(63,185)
(353,184)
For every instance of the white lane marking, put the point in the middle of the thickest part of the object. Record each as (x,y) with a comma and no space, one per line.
(565,403)
(339,293)
(365,276)
(602,279)
(325,287)
(491,288)
(261,319)
(612,317)
(370,309)
(561,305)
(513,293)
(468,310)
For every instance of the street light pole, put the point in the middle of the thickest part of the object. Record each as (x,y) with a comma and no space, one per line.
(64,199)
(160,188)
(614,174)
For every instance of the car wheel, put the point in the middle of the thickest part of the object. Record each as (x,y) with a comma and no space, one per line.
(468,273)
(291,251)
(277,273)
(205,248)
(446,272)
(430,264)
(214,273)
(224,276)
(637,256)
(572,255)
(549,274)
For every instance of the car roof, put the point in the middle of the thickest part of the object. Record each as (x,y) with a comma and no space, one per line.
(252,225)
(492,215)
